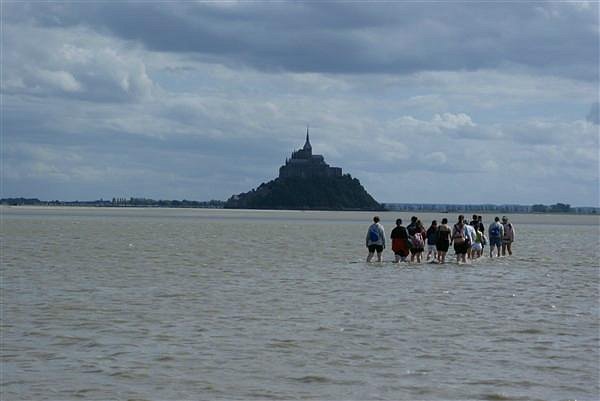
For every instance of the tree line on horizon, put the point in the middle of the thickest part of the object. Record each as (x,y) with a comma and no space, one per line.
(563,208)
(116,202)
(556,208)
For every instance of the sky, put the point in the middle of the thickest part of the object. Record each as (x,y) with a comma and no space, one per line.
(429,102)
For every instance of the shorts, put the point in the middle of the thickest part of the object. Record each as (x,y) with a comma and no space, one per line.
(476,246)
(431,248)
(461,248)
(373,248)
(442,246)
(402,253)
(495,241)
(414,251)
(506,242)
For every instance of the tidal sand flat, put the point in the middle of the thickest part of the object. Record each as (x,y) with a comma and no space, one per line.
(230,304)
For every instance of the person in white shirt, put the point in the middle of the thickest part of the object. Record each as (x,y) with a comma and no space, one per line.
(470,236)
(375,240)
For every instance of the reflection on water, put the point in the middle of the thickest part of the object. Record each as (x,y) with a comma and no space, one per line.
(180,304)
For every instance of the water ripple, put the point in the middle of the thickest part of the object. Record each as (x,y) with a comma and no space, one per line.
(101,304)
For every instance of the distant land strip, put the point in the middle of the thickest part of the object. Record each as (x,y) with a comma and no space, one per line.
(561,208)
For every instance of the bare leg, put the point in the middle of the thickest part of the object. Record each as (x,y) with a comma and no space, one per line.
(370,257)
(379,256)
(509,248)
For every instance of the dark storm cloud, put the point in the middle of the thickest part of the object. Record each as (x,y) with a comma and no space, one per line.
(332,37)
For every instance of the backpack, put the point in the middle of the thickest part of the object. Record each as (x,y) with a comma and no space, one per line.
(495,231)
(417,240)
(373,234)
(459,235)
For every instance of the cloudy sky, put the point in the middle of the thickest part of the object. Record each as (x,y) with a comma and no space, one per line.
(434,102)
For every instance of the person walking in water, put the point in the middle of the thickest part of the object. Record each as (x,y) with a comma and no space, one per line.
(459,240)
(443,240)
(418,242)
(432,237)
(477,222)
(470,235)
(400,242)
(495,232)
(509,236)
(477,246)
(412,227)
(375,239)
(482,230)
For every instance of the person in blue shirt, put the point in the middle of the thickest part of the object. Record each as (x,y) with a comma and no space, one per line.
(375,240)
(432,237)
(495,234)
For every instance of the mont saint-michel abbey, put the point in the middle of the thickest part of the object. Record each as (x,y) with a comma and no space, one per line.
(306,182)
(304,164)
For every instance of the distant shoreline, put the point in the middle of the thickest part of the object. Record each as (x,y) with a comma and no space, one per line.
(557,209)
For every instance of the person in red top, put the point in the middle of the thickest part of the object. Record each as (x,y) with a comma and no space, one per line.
(400,242)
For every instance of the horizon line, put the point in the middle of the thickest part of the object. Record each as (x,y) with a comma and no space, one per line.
(128,199)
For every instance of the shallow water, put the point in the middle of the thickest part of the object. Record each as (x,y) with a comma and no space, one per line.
(216,304)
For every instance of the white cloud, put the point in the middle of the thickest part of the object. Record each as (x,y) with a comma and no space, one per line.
(61,80)
(436,158)
(445,125)
(453,121)
(75,63)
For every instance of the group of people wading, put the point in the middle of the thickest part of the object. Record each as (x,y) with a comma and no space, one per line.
(468,239)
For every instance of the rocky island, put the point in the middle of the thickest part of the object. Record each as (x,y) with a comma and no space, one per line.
(306,182)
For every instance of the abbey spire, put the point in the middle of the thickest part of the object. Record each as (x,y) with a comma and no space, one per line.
(307,145)
(304,164)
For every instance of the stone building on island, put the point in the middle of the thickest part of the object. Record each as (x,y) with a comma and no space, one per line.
(306,182)
(306,165)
